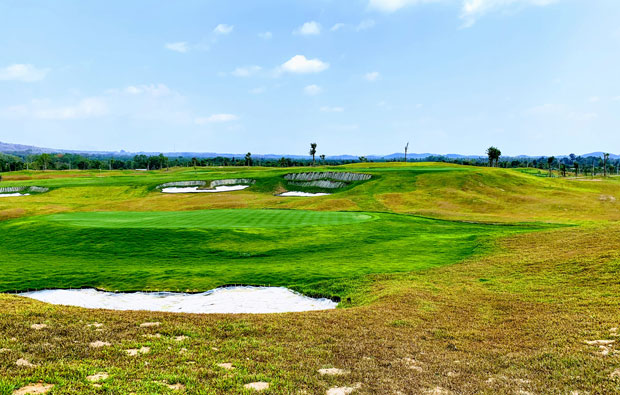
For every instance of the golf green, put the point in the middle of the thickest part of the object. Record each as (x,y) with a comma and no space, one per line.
(239,218)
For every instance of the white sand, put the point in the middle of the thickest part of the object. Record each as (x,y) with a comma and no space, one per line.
(221,188)
(302,194)
(13,194)
(234,300)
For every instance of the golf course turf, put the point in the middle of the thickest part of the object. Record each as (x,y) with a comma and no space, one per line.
(452,279)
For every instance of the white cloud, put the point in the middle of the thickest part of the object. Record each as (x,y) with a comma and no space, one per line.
(393,5)
(474,9)
(312,90)
(372,76)
(299,64)
(23,73)
(332,109)
(216,118)
(594,99)
(365,25)
(223,29)
(155,90)
(309,29)
(337,27)
(246,71)
(617,98)
(265,35)
(180,47)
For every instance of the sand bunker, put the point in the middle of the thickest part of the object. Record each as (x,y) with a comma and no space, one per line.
(228,185)
(302,194)
(221,188)
(20,191)
(229,300)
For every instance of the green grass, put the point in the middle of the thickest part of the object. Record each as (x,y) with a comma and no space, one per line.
(318,253)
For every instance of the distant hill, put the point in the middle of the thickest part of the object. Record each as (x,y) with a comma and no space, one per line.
(9,148)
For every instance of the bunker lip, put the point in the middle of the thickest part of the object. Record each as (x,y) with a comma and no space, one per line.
(223,300)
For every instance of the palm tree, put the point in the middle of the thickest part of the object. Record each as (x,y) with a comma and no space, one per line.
(493,153)
(322,157)
(406,149)
(605,159)
(248,159)
(550,161)
(313,151)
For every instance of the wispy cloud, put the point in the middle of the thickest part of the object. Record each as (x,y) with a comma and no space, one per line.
(393,5)
(223,29)
(301,65)
(23,73)
(246,71)
(337,27)
(265,35)
(155,90)
(365,25)
(216,118)
(180,47)
(312,90)
(311,28)
(331,109)
(43,109)
(372,76)
(472,10)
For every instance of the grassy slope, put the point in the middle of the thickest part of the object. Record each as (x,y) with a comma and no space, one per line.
(513,319)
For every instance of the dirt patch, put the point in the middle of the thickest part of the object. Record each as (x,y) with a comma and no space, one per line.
(226,365)
(97,377)
(149,324)
(39,388)
(342,390)
(99,344)
(332,372)
(257,386)
(24,363)
(38,327)
(132,352)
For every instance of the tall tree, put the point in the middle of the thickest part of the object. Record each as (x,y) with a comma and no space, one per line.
(494,154)
(313,151)
(550,161)
(322,158)
(248,159)
(605,159)
(576,164)
(406,149)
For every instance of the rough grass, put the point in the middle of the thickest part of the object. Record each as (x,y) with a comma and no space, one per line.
(511,315)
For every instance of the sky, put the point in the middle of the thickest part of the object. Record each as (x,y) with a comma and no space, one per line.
(360,77)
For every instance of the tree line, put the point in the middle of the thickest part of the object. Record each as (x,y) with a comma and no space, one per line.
(569,165)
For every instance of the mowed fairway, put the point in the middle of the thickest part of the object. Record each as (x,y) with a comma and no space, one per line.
(318,253)
(462,280)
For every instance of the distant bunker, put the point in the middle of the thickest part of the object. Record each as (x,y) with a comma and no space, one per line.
(325,180)
(21,191)
(227,185)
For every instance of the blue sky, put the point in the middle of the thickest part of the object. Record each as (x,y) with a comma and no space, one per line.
(356,76)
